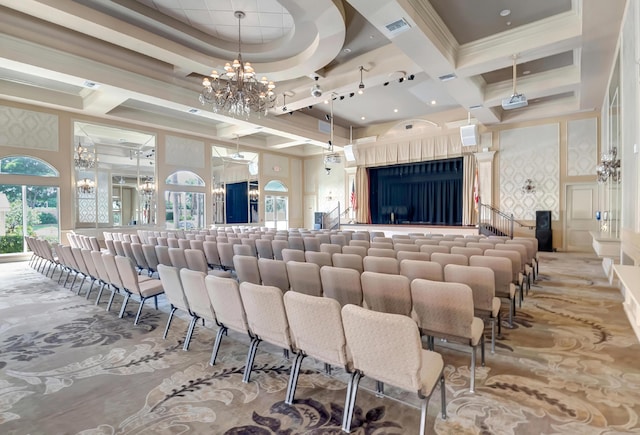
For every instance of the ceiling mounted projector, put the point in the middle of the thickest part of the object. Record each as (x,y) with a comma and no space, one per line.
(516,100)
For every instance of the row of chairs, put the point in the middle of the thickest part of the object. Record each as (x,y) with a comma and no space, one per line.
(386,347)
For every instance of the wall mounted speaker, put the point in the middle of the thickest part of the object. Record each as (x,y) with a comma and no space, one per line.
(543,219)
(469,135)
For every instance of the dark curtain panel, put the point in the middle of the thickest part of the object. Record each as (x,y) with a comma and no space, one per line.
(237,200)
(425,192)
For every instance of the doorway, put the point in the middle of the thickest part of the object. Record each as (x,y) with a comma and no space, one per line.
(581,210)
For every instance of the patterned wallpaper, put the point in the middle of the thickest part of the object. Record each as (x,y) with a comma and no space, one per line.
(530,153)
(582,147)
(28,129)
(187,153)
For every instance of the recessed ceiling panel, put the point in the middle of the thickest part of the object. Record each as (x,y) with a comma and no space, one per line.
(472,20)
(529,68)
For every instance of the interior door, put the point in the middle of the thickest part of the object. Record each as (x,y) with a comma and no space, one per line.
(581,210)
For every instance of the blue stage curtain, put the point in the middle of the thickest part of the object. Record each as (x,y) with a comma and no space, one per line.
(237,200)
(425,192)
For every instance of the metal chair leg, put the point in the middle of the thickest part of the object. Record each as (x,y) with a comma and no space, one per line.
(113,295)
(142,301)
(423,415)
(443,397)
(216,347)
(124,304)
(166,328)
(379,389)
(293,378)
(192,326)
(352,392)
(493,335)
(250,357)
(472,372)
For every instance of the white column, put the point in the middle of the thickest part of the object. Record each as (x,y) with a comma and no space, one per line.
(484,161)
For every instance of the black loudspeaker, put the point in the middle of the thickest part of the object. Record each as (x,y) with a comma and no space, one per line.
(545,240)
(543,220)
(318,218)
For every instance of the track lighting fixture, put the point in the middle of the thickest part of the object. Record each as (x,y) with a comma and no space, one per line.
(411,77)
(284,102)
(316,91)
(361,85)
(401,79)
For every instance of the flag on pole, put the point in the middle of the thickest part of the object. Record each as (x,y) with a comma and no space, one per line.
(476,192)
(354,204)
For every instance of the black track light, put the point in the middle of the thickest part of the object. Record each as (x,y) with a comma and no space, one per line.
(411,77)
(385,84)
(401,79)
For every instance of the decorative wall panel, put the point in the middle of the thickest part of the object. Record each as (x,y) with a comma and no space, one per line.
(530,153)
(582,147)
(28,129)
(186,153)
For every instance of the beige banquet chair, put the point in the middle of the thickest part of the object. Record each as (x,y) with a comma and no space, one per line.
(246,267)
(267,320)
(174,292)
(131,285)
(304,277)
(319,258)
(505,289)
(316,331)
(274,273)
(195,291)
(381,265)
(359,250)
(417,269)
(387,348)
(351,261)
(407,255)
(445,310)
(290,254)
(386,293)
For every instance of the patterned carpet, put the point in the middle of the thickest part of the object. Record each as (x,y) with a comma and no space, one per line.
(570,366)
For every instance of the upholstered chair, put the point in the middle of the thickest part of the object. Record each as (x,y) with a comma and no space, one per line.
(342,284)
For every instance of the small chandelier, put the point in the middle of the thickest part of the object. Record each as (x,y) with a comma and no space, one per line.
(528,186)
(238,93)
(609,167)
(254,194)
(84,158)
(218,191)
(147,188)
(86,186)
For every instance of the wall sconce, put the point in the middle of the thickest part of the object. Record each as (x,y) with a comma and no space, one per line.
(528,186)
(147,188)
(86,186)
(218,191)
(254,194)
(609,167)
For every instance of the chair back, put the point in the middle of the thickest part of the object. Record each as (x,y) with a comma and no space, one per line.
(417,269)
(311,244)
(359,242)
(407,255)
(501,271)
(381,252)
(225,250)
(383,346)
(138,255)
(338,239)
(263,247)
(296,243)
(381,245)
(341,284)
(432,249)
(149,252)
(445,259)
(266,316)
(210,249)
(278,246)
(224,295)
(406,247)
(96,256)
(386,293)
(251,243)
(304,277)
(243,249)
(274,273)
(466,251)
(351,261)
(480,279)
(128,274)
(178,258)
(246,267)
(381,265)
(196,293)
(196,260)
(290,254)
(319,258)
(162,252)
(331,248)
(359,250)
(513,256)
(170,279)
(480,245)
(88,262)
(316,327)
(173,242)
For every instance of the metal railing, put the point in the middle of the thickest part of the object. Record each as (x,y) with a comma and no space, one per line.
(331,220)
(492,221)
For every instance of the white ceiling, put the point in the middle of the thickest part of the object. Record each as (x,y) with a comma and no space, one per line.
(148,57)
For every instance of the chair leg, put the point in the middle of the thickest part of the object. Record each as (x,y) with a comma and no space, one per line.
(327,369)
(493,335)
(352,391)
(293,378)
(216,347)
(482,350)
(113,294)
(155,301)
(142,301)
(472,371)
(512,310)
(423,415)
(124,304)
(93,281)
(250,357)
(166,328)
(443,397)
(379,389)
(192,326)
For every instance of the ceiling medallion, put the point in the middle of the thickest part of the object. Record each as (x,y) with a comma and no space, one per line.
(237,91)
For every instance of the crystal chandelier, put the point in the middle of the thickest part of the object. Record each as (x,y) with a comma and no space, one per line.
(609,167)
(147,188)
(86,186)
(238,92)
(84,158)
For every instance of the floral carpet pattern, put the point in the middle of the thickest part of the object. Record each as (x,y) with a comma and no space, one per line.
(570,365)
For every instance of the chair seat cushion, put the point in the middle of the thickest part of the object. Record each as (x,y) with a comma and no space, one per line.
(430,370)
(477,329)
(151,287)
(496,307)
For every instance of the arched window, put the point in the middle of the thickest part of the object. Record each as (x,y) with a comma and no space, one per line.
(25,165)
(184,178)
(27,209)
(275,186)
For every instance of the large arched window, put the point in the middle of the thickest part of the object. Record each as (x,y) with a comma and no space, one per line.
(29,209)
(184,178)
(276,204)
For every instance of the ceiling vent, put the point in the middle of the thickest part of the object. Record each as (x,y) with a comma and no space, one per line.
(398,26)
(91,85)
(447,77)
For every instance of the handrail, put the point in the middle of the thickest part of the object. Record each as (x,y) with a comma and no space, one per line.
(331,220)
(492,221)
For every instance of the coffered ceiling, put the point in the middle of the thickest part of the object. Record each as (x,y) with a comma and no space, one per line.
(142,61)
